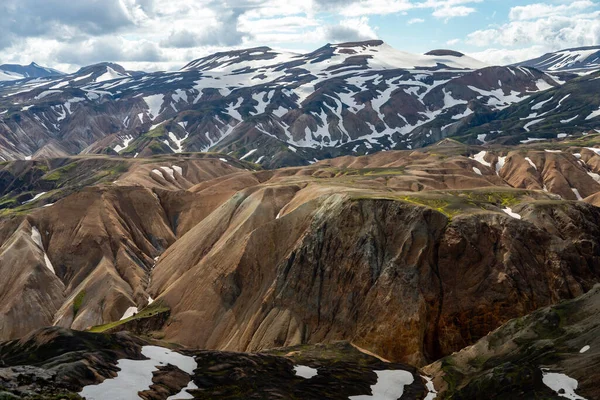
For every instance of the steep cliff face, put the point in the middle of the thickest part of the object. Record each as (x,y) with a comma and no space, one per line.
(399,279)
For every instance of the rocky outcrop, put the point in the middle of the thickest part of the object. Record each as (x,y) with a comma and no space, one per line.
(512,361)
(58,363)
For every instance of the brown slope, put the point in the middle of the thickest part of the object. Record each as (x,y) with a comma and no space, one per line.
(30,293)
(229,285)
(406,253)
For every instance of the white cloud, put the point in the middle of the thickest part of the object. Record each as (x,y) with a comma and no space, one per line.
(350,30)
(441,8)
(554,32)
(543,10)
(497,56)
(415,21)
(452,12)
(453,42)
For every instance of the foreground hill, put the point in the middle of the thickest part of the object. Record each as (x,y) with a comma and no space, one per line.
(550,354)
(209,252)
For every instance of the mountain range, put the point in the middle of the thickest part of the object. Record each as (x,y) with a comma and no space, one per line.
(278,109)
(351,223)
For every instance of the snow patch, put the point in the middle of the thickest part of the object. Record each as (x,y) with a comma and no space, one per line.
(480,158)
(248,154)
(593,115)
(130,312)
(154,103)
(390,385)
(430,388)
(510,212)
(562,384)
(37,239)
(37,196)
(531,162)
(584,349)
(136,375)
(126,140)
(305,372)
(169,171)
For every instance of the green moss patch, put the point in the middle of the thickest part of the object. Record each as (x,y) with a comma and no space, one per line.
(151,311)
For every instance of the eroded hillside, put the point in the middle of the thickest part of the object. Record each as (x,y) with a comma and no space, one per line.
(409,254)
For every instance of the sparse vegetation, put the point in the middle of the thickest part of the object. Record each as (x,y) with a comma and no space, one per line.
(152,310)
(78,302)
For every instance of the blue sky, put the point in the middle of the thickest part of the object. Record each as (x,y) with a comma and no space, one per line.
(154,34)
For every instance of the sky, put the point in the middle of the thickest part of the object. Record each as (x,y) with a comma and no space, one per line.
(165,35)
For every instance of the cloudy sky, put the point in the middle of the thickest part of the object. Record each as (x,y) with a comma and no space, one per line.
(154,34)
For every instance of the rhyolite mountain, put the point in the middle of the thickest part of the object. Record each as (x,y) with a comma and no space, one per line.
(411,255)
(273,108)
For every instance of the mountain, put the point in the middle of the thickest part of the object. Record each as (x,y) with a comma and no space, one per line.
(579,60)
(561,113)
(277,108)
(33,70)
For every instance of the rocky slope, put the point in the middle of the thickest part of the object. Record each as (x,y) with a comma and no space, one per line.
(272,108)
(551,354)
(531,357)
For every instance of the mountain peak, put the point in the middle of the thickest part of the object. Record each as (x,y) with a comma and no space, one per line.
(32,70)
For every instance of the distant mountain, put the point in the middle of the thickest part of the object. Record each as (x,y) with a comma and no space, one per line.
(275,108)
(577,60)
(33,70)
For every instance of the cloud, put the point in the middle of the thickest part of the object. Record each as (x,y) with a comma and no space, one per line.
(543,10)
(222,32)
(554,32)
(441,8)
(496,56)
(453,42)
(452,12)
(415,21)
(107,49)
(65,20)
(350,30)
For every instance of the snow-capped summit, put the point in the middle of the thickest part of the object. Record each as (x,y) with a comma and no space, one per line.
(232,61)
(577,60)
(383,56)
